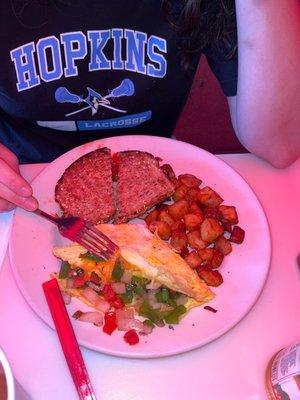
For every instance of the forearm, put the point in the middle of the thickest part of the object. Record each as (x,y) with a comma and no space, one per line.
(268,96)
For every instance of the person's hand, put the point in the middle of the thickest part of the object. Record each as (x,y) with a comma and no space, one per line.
(14,189)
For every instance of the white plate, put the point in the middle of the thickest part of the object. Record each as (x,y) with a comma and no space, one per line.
(244,270)
(5,224)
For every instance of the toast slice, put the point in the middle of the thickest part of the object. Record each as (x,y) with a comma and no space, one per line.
(141,184)
(86,188)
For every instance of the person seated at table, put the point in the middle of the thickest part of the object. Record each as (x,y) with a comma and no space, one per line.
(72,73)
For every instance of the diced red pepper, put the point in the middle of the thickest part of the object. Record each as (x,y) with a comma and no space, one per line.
(78,281)
(117,302)
(131,337)
(110,322)
(95,278)
(108,293)
(237,235)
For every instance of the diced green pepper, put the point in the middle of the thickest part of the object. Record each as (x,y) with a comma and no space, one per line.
(147,322)
(162,296)
(117,272)
(64,269)
(147,311)
(173,316)
(137,280)
(139,290)
(139,285)
(90,256)
(127,297)
(172,303)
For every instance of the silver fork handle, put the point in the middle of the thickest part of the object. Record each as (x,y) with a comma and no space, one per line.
(45,215)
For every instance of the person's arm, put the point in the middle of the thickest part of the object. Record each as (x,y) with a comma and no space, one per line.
(266,110)
(14,190)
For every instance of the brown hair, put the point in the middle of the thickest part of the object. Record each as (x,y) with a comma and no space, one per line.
(204,25)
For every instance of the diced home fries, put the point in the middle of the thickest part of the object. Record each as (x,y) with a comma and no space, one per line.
(197,225)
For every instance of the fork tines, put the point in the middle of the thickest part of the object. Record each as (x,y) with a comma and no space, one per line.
(96,242)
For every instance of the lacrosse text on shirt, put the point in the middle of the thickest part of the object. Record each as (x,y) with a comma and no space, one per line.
(50,57)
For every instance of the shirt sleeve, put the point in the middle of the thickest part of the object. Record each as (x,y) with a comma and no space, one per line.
(226,72)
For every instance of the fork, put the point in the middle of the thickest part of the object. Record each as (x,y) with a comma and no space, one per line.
(84,233)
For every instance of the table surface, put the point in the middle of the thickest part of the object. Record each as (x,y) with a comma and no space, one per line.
(231,367)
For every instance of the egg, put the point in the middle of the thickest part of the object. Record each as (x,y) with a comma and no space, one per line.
(146,255)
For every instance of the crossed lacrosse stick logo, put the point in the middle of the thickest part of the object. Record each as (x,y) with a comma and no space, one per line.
(94,100)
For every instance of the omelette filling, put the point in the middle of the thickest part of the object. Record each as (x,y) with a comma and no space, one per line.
(111,287)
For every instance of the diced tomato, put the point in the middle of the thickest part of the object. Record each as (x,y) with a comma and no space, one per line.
(110,322)
(108,293)
(78,281)
(115,166)
(117,302)
(95,278)
(131,337)
(116,158)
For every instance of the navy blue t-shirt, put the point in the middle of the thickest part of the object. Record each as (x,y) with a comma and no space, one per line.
(70,74)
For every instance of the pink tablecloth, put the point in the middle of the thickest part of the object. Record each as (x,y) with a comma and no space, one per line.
(232,367)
